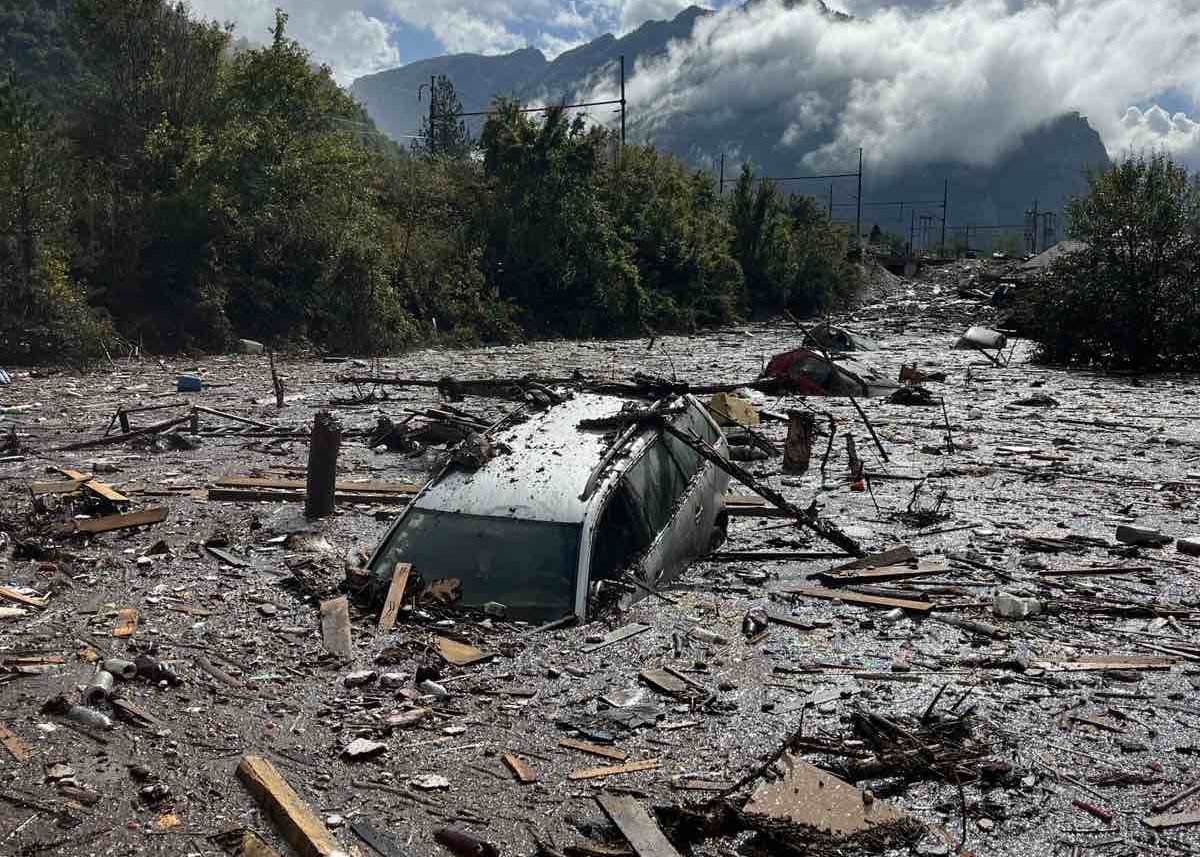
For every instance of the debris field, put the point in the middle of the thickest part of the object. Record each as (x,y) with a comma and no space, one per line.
(187,666)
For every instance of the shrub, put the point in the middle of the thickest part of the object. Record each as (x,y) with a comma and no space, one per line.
(1131,297)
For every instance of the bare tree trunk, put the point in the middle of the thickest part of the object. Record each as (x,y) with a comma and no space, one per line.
(324,445)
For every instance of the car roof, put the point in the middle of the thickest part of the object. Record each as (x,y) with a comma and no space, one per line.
(541,478)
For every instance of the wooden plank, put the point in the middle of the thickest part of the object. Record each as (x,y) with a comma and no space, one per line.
(520,769)
(395,596)
(891,556)
(594,749)
(631,630)
(108,523)
(335,626)
(1092,572)
(612,770)
(100,489)
(271,495)
(790,621)
(876,575)
(254,845)
(1175,819)
(127,620)
(17,748)
(663,682)
(1108,662)
(851,597)
(636,825)
(461,654)
(41,489)
(10,594)
(373,486)
(298,824)
(377,839)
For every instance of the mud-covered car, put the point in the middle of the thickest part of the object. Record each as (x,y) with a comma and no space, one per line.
(562,508)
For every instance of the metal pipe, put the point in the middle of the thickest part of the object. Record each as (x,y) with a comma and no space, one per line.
(99,689)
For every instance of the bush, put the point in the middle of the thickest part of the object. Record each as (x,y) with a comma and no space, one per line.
(1130,298)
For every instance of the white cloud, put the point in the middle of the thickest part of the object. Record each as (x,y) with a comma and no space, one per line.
(1155,129)
(634,13)
(350,41)
(961,81)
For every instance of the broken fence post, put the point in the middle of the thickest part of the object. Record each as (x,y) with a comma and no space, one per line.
(797,449)
(324,445)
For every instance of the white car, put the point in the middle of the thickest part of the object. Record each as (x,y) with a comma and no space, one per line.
(562,508)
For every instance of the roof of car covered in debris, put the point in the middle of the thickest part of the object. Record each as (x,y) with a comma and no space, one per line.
(544,464)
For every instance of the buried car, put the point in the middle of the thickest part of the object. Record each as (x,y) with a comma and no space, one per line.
(561,508)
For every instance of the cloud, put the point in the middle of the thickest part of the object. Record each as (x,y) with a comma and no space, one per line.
(1156,129)
(634,13)
(960,81)
(347,39)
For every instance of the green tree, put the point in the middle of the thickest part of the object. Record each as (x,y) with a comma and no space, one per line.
(553,248)
(1131,296)
(443,132)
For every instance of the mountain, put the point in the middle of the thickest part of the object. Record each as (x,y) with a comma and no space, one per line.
(1046,165)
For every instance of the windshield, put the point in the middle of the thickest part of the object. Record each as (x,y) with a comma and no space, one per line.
(528,566)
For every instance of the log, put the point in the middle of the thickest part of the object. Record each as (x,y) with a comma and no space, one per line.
(322,465)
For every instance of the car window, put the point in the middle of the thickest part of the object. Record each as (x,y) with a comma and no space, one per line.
(656,482)
(528,566)
(692,418)
(621,536)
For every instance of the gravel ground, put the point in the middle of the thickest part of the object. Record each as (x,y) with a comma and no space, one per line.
(1029,488)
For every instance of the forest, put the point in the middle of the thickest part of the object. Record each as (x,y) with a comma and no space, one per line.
(166,187)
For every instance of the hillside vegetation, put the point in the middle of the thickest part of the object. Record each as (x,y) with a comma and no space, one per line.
(160,191)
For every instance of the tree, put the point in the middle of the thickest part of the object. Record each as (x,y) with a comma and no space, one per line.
(443,132)
(1130,297)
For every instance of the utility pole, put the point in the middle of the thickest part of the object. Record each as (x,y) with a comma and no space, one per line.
(722,185)
(831,200)
(858,218)
(432,135)
(912,232)
(1035,227)
(622,100)
(945,213)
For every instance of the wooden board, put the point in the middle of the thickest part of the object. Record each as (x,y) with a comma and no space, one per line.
(109,523)
(520,769)
(876,575)
(663,682)
(595,749)
(395,596)
(377,839)
(461,654)
(851,597)
(41,489)
(298,824)
(127,621)
(617,636)
(335,626)
(636,825)
(378,486)
(1108,662)
(891,556)
(10,594)
(291,495)
(100,489)
(1092,572)
(790,621)
(17,748)
(1175,819)
(253,845)
(611,770)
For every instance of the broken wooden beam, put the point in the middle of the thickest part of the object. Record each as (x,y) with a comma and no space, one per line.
(636,825)
(110,523)
(612,770)
(297,822)
(121,438)
(272,495)
(395,596)
(335,627)
(851,597)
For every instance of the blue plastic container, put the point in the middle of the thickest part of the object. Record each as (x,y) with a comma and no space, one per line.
(189,384)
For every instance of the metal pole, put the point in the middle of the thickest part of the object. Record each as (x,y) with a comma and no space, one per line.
(945,213)
(912,234)
(858,219)
(432,134)
(622,99)
(831,200)
(722,174)
(1035,227)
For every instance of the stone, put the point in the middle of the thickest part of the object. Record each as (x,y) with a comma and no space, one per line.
(986,825)
(429,782)
(333,822)
(394,679)
(268,609)
(361,748)
(359,678)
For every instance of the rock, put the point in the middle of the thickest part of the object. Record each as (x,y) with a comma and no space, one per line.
(360,678)
(333,822)
(433,689)
(394,679)
(429,782)
(249,346)
(59,772)
(933,848)
(1131,745)
(268,609)
(361,748)
(1009,606)
(986,825)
